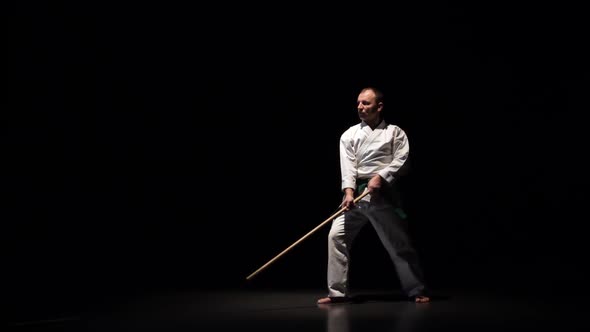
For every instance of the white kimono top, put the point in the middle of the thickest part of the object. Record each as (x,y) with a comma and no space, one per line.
(365,152)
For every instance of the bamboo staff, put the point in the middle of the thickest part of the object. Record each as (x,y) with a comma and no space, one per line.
(305,236)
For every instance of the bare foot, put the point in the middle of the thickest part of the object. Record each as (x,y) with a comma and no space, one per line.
(421,299)
(334,300)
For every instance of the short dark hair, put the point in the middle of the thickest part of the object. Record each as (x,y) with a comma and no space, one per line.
(378,93)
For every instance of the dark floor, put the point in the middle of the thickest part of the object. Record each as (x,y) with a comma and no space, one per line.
(295,310)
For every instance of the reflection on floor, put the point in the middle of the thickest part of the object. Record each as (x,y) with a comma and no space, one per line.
(295,310)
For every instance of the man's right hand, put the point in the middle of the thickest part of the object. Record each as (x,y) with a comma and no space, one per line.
(348,200)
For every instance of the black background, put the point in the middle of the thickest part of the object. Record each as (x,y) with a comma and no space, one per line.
(156,147)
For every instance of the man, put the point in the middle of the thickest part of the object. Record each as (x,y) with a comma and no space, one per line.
(372,155)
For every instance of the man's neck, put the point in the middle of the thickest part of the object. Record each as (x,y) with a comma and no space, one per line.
(373,124)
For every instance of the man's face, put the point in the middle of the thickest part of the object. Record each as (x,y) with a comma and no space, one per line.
(367,107)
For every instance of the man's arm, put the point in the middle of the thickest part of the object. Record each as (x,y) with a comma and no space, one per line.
(401,151)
